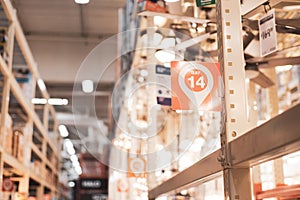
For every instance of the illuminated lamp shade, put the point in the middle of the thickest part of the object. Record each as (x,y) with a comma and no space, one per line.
(87,86)
(168,42)
(157,37)
(159,21)
(165,56)
(41,84)
(82,1)
(63,130)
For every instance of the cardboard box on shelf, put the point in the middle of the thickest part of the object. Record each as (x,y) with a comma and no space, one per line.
(47,197)
(6,142)
(21,149)
(37,168)
(147,5)
(20,154)
(17,134)
(25,80)
(32,198)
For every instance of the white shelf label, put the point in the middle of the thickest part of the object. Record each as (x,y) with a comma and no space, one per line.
(267,33)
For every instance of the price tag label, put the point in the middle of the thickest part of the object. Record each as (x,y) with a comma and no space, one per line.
(267,34)
(163,77)
(195,86)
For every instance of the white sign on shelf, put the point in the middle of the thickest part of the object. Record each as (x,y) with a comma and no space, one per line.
(267,33)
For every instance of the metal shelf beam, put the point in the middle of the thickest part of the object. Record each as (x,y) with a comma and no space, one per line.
(275,138)
(204,168)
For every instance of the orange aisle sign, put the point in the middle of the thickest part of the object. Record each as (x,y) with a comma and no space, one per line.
(196,85)
(7,185)
(136,167)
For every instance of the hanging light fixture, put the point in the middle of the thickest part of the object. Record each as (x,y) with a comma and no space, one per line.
(157,37)
(165,56)
(82,1)
(159,21)
(171,1)
(166,52)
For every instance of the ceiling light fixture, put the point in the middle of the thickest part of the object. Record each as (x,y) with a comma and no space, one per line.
(38,101)
(82,1)
(159,21)
(71,184)
(69,146)
(291,8)
(51,101)
(63,130)
(165,56)
(87,86)
(58,102)
(78,170)
(171,1)
(157,37)
(73,158)
(41,84)
(166,53)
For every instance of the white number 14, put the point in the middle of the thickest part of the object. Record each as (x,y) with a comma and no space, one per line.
(199,82)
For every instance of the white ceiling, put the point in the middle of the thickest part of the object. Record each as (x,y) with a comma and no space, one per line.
(66,18)
(62,33)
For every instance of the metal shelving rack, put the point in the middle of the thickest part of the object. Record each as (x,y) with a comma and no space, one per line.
(32,180)
(242,144)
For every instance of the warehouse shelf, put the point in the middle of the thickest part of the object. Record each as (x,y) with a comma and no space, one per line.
(262,145)
(174,17)
(30,153)
(258,123)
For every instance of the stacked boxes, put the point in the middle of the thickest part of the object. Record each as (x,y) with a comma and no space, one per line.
(7,135)
(24,78)
(36,166)
(92,167)
(20,132)
(154,6)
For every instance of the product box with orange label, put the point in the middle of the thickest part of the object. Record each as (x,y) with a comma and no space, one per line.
(154,6)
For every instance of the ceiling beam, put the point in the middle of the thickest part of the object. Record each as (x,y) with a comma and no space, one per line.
(82,21)
(66,37)
(81,120)
(55,93)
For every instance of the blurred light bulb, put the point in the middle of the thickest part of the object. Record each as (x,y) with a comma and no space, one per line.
(159,21)
(63,130)
(82,1)
(87,86)
(171,1)
(165,56)
(71,184)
